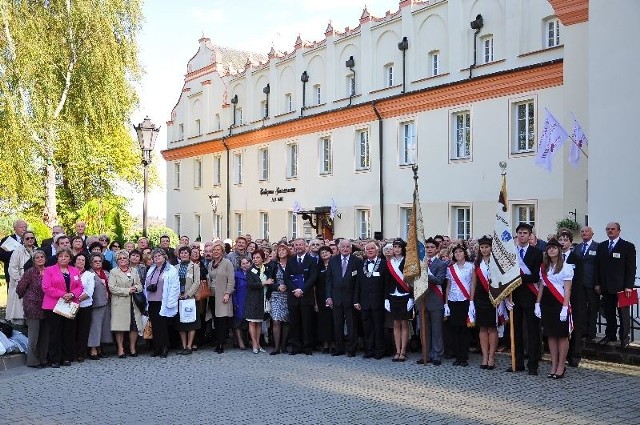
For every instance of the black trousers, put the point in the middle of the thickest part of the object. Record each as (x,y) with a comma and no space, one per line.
(578,311)
(373,328)
(342,315)
(301,331)
(221,324)
(592,307)
(610,304)
(83,325)
(160,326)
(522,315)
(62,337)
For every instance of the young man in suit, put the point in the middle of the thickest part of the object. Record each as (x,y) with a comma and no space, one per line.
(615,272)
(55,231)
(300,279)
(19,227)
(341,278)
(565,238)
(524,299)
(586,251)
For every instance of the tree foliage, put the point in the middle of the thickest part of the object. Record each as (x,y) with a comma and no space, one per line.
(153,234)
(67,74)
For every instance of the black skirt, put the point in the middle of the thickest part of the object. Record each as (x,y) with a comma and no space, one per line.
(485,311)
(399,308)
(459,313)
(552,326)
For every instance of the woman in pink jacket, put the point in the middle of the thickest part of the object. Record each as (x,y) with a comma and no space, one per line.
(61,281)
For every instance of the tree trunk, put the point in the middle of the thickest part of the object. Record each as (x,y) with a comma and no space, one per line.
(50,208)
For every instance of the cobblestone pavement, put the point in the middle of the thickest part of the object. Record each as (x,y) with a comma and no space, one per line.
(239,387)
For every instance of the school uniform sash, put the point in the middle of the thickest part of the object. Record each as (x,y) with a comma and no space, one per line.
(397,278)
(556,294)
(482,278)
(524,270)
(458,282)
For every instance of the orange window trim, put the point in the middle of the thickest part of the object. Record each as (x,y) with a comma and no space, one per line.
(502,84)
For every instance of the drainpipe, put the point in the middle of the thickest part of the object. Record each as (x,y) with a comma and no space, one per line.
(403,46)
(373,105)
(224,143)
(477,25)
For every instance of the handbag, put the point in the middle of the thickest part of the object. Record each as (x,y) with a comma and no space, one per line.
(66,309)
(148,331)
(140,300)
(203,291)
(187,310)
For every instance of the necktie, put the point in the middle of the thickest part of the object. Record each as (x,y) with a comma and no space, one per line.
(429,262)
(564,256)
(610,247)
(299,260)
(522,253)
(344,265)
(584,249)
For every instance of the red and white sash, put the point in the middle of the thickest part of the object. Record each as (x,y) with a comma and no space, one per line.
(482,278)
(524,271)
(557,295)
(458,282)
(397,278)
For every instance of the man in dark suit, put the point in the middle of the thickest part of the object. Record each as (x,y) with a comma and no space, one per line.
(586,250)
(369,300)
(55,230)
(165,244)
(81,227)
(19,227)
(342,273)
(565,238)
(60,241)
(615,272)
(300,279)
(524,299)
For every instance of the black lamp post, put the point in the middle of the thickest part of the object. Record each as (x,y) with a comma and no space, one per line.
(147,133)
(350,63)
(304,78)
(234,102)
(476,25)
(403,46)
(266,90)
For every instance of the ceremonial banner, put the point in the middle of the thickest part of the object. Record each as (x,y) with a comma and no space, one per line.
(579,141)
(552,138)
(504,268)
(415,266)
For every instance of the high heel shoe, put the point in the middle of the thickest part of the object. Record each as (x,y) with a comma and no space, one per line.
(484,366)
(559,376)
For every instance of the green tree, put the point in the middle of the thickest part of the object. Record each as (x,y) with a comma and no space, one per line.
(67,75)
(107,216)
(154,233)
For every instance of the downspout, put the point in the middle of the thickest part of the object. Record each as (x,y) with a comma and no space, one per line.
(224,143)
(476,25)
(373,105)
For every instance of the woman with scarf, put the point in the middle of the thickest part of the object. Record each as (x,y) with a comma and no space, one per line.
(279,309)
(100,330)
(189,276)
(29,289)
(254,302)
(83,317)
(222,282)
(20,262)
(398,300)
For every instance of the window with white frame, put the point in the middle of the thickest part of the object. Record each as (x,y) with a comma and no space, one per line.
(326,156)
(434,63)
(264,225)
(239,116)
(237,168)
(197,221)
(363,221)
(218,122)
(217,225)
(197,173)
(181,131)
(177,224)
(362,150)
(461,148)
(294,231)
(288,102)
(552,32)
(238,222)
(524,213)
(408,146)
(405,217)
(176,175)
(462,222)
(197,128)
(388,75)
(263,163)
(217,170)
(524,128)
(317,94)
(351,85)
(487,49)
(292,160)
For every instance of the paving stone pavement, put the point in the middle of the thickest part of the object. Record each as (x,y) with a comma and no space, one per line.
(239,387)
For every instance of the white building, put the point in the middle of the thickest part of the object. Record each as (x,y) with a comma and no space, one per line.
(250,136)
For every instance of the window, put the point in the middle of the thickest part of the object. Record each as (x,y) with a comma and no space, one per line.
(197,173)
(408,147)
(351,85)
(317,94)
(434,63)
(264,225)
(362,150)
(462,222)
(218,122)
(238,219)
(326,156)
(293,225)
(487,49)
(239,116)
(405,217)
(288,102)
(197,128)
(197,220)
(363,221)
(217,170)
(461,135)
(263,163)
(552,32)
(237,168)
(524,126)
(180,131)
(217,225)
(177,225)
(388,75)
(176,175)
(292,160)
(524,213)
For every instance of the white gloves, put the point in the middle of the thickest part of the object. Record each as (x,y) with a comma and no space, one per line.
(564,313)
(536,311)
(387,305)
(508,304)
(410,304)
(472,309)
(447,312)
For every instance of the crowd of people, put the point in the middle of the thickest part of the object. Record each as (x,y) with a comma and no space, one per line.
(335,296)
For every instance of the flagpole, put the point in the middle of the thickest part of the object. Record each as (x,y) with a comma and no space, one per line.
(512,336)
(578,146)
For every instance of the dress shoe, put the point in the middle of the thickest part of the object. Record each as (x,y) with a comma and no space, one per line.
(122,356)
(326,350)
(491,367)
(367,355)
(625,342)
(80,359)
(337,353)
(483,366)
(66,363)
(573,362)
(518,369)
(379,356)
(533,372)
(164,353)
(293,353)
(94,357)
(437,362)
(134,354)
(456,363)
(55,365)
(308,352)
(351,354)
(558,376)
(606,340)
(421,361)
(155,354)
(274,352)
(284,351)
(464,363)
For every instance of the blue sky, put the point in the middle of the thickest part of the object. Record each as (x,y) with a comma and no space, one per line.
(170,34)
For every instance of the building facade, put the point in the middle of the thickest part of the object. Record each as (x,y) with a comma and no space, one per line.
(270,144)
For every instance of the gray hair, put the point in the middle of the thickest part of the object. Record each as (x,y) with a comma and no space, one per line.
(160,251)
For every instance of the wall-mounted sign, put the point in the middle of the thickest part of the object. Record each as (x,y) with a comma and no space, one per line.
(275,193)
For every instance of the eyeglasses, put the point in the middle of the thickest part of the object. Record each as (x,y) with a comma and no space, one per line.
(123,258)
(29,238)
(103,239)
(115,246)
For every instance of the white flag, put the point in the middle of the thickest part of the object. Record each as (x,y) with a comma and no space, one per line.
(579,140)
(296,207)
(552,138)
(334,209)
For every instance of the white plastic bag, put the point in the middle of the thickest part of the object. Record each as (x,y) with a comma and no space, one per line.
(187,310)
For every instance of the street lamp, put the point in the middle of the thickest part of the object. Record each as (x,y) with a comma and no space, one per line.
(147,133)
(305,79)
(266,90)
(403,46)
(350,63)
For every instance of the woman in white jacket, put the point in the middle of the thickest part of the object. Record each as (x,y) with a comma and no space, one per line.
(19,259)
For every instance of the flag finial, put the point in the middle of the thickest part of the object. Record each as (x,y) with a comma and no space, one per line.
(503,167)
